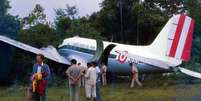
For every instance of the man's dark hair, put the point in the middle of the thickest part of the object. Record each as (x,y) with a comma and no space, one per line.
(41,56)
(94,63)
(79,63)
(73,61)
(130,64)
(88,64)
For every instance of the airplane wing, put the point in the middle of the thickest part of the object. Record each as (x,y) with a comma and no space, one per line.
(190,73)
(50,52)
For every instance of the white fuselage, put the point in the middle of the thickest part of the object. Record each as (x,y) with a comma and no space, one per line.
(120,56)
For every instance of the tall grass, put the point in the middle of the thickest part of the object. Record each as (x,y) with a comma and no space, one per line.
(120,92)
(153,90)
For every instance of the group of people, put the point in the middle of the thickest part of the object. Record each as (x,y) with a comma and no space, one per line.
(89,77)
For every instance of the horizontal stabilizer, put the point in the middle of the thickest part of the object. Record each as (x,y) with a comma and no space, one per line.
(190,73)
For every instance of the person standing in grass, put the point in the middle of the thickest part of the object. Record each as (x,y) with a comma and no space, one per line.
(98,82)
(134,72)
(103,74)
(82,75)
(74,73)
(84,72)
(90,86)
(40,76)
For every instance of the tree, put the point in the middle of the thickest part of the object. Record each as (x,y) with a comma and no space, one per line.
(124,21)
(35,17)
(62,22)
(83,28)
(69,11)
(64,18)
(166,7)
(39,36)
(67,25)
(4,6)
(9,26)
(37,33)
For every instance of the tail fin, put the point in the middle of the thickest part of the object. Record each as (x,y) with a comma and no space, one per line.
(175,39)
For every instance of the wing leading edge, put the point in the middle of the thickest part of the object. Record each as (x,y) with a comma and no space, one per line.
(50,52)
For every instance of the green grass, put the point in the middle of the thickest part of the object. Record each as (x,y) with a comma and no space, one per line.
(120,92)
(116,92)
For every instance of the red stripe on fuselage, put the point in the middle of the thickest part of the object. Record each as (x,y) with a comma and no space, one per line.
(177,35)
(188,43)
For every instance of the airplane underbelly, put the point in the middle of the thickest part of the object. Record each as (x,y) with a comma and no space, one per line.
(116,67)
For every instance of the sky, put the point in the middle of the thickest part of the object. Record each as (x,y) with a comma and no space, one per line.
(24,7)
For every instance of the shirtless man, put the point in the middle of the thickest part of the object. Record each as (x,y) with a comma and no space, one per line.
(134,72)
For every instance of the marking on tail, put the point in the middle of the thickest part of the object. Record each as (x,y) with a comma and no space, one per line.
(183,37)
(188,43)
(177,36)
(182,40)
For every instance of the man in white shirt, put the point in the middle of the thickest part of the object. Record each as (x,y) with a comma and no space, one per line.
(90,83)
(134,72)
